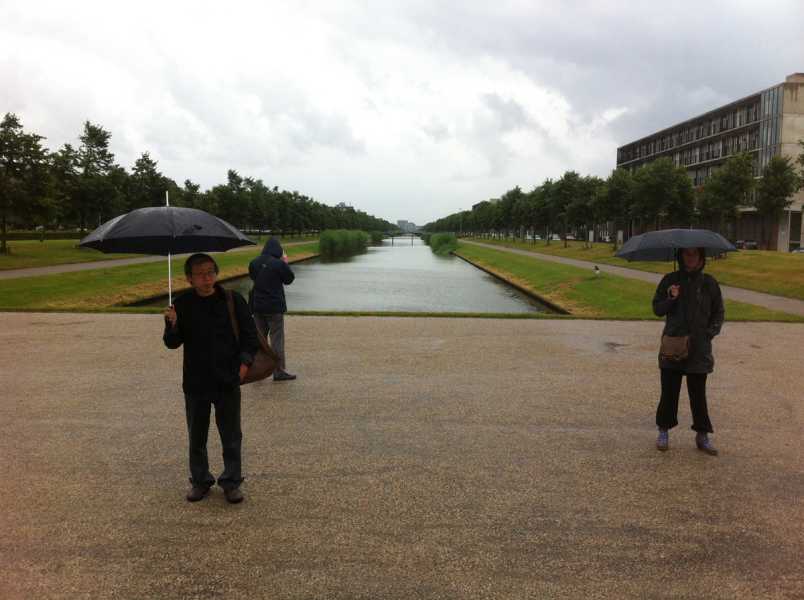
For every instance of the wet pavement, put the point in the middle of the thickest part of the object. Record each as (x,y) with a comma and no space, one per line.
(413,458)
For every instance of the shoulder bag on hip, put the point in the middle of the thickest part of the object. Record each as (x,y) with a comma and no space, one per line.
(265,360)
(675,348)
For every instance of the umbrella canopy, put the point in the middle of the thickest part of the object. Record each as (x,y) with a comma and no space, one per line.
(662,245)
(165,230)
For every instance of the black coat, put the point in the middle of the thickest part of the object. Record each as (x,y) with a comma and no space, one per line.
(212,355)
(270,275)
(697,312)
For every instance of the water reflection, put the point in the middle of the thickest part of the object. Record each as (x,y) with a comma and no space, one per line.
(398,277)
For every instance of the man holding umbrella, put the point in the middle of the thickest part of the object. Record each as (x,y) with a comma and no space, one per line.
(216,359)
(215,363)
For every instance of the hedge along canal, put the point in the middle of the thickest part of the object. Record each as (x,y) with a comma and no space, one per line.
(400,278)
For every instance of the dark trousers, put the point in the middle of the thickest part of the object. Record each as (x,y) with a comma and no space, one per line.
(667,413)
(227,418)
(273,327)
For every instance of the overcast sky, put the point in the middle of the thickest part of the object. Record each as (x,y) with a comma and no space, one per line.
(407,109)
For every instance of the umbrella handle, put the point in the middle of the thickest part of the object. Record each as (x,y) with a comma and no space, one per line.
(170,282)
(170,268)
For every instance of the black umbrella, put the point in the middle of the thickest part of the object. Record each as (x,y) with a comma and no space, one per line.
(663,245)
(165,230)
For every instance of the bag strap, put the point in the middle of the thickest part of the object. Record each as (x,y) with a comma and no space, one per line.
(232,315)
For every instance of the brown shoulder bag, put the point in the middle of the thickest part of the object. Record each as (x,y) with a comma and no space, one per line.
(265,361)
(675,348)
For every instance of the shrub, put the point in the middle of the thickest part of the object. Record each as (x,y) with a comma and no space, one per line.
(337,243)
(442,243)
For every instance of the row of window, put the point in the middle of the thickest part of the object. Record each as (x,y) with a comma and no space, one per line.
(727,146)
(736,118)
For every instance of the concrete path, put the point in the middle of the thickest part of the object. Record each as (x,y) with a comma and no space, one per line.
(787,305)
(413,458)
(104,264)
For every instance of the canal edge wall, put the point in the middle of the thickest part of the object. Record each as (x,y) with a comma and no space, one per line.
(527,291)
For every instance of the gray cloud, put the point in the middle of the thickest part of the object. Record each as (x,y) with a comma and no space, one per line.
(404,109)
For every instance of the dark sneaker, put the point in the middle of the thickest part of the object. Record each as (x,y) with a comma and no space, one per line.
(196,493)
(283,376)
(704,444)
(663,441)
(233,495)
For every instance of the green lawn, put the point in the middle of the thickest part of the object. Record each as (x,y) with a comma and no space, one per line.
(587,295)
(103,288)
(778,273)
(33,253)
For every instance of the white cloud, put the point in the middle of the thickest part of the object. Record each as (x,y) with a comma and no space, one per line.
(405,110)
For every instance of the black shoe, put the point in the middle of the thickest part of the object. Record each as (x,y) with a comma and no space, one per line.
(283,376)
(705,445)
(196,493)
(233,495)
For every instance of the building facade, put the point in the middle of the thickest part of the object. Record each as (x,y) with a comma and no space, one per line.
(765,124)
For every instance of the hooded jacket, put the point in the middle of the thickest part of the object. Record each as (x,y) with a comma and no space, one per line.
(270,274)
(697,311)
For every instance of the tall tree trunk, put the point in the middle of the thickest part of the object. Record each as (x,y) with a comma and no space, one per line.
(3,246)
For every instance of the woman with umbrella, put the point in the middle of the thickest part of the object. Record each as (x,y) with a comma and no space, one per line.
(692,305)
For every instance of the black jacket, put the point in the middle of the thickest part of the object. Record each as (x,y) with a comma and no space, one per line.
(270,274)
(697,312)
(212,355)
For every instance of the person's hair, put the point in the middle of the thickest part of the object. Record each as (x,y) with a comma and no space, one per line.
(197,259)
(701,252)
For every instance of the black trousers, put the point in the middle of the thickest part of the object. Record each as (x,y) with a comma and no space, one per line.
(227,417)
(667,413)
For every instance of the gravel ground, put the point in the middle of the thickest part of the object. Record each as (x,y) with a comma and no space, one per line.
(413,458)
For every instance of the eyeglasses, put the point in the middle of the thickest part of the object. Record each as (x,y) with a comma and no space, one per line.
(210,273)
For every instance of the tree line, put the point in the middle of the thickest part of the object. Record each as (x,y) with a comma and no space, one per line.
(81,187)
(656,195)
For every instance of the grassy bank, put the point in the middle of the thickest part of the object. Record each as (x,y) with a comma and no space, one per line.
(104,288)
(337,243)
(29,254)
(777,273)
(587,295)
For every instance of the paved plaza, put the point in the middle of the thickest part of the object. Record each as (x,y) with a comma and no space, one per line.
(413,458)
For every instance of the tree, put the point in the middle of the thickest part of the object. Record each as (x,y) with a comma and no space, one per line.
(97,195)
(775,190)
(64,177)
(615,204)
(726,190)
(146,185)
(662,193)
(565,191)
(24,175)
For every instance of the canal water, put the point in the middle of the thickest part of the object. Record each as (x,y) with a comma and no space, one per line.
(404,277)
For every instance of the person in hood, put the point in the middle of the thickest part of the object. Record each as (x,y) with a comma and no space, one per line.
(692,305)
(215,363)
(271,273)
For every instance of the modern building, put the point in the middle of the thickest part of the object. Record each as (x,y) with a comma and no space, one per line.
(407,226)
(765,124)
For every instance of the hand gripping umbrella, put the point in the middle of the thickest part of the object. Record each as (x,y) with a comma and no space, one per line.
(663,245)
(165,230)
